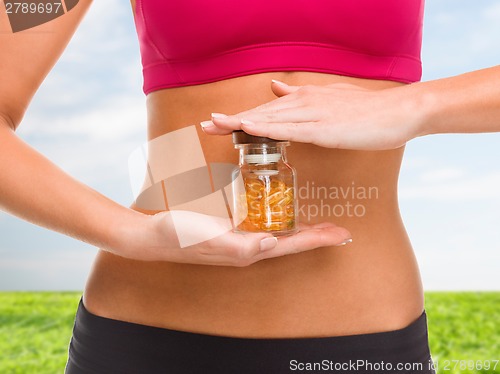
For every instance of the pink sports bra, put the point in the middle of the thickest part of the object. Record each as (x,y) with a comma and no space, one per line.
(189,42)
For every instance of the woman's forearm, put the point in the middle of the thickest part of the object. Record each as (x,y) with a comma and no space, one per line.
(350,117)
(467,103)
(36,190)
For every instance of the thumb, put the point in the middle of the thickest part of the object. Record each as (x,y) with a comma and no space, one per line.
(281,89)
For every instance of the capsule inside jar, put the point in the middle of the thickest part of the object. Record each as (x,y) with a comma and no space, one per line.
(265,201)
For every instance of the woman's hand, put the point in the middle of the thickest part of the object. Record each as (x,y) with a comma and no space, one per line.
(158,237)
(335,116)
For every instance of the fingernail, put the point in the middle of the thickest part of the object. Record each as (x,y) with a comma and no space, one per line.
(206,124)
(218,115)
(247,122)
(279,82)
(344,243)
(268,243)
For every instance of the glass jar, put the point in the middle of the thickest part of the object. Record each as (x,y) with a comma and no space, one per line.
(264,199)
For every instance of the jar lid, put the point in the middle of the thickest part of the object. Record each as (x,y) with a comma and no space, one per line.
(241,137)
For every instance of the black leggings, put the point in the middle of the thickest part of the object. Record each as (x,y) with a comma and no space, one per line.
(106,346)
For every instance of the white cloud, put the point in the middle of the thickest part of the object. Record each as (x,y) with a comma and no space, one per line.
(460,36)
(54,270)
(442,175)
(461,271)
(93,146)
(492,13)
(101,59)
(104,29)
(411,163)
(120,117)
(441,187)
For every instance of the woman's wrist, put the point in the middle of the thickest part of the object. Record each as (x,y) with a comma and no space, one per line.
(466,103)
(421,109)
(127,233)
(140,236)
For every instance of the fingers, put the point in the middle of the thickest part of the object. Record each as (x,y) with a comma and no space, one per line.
(298,132)
(222,124)
(281,89)
(224,127)
(304,226)
(310,239)
(238,249)
(296,124)
(346,86)
(316,236)
(228,123)
(243,249)
(285,125)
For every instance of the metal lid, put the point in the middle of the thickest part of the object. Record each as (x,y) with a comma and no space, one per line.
(241,137)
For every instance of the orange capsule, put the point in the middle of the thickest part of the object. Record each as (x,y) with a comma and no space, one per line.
(288,195)
(272,226)
(277,184)
(274,197)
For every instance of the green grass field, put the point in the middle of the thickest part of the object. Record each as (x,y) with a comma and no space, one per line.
(35,328)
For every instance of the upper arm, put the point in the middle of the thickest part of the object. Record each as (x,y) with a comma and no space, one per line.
(26,57)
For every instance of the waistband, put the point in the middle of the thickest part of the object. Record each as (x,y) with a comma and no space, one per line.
(130,346)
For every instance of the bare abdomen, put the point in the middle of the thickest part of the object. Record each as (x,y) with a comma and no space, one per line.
(369,285)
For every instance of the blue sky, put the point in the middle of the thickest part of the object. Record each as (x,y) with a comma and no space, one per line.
(90,114)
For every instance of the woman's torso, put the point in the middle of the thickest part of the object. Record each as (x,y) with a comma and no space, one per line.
(370,285)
